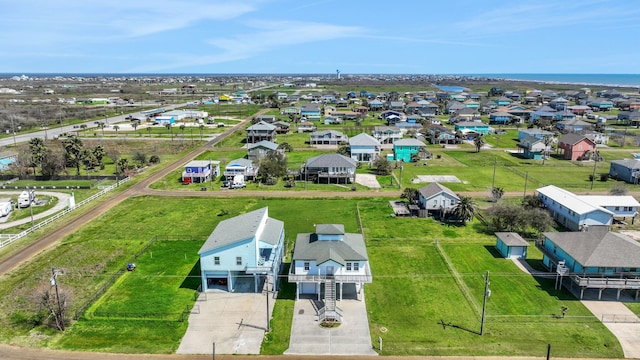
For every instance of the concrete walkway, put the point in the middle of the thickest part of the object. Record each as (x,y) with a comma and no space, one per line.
(352,337)
(235,322)
(368,180)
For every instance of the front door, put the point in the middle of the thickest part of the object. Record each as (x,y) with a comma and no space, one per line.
(330,270)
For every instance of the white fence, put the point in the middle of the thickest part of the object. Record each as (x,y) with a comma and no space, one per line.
(6,239)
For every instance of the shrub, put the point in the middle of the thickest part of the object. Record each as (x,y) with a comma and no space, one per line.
(154,159)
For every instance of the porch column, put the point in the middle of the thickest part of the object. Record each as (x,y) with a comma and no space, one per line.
(341,291)
(255,283)
(297,291)
(318,287)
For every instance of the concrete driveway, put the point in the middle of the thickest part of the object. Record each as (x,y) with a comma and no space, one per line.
(368,180)
(235,322)
(627,332)
(352,337)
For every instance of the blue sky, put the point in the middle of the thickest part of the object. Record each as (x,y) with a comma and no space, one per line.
(308,36)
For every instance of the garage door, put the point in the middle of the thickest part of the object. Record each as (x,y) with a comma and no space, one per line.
(307,288)
(517,252)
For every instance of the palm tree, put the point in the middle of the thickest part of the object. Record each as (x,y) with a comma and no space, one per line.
(102,125)
(479,142)
(38,151)
(116,128)
(99,152)
(73,148)
(122,166)
(149,130)
(182,126)
(170,128)
(201,127)
(465,209)
(134,124)
(83,127)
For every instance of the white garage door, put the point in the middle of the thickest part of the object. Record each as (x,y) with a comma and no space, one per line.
(517,252)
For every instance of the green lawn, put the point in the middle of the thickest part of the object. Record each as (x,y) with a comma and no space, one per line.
(520,310)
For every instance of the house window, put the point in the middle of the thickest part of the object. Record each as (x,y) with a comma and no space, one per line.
(435,202)
(348,266)
(307,266)
(216,260)
(617,208)
(356,266)
(238,260)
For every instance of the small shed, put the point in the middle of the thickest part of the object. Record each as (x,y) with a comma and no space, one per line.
(511,245)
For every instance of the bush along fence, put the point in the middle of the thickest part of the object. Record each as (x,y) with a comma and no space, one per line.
(6,239)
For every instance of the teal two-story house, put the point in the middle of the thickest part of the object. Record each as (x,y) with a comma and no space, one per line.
(404,148)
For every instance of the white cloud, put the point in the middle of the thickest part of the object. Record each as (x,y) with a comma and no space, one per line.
(271,36)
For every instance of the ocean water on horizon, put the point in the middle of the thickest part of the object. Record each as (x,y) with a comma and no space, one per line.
(626,80)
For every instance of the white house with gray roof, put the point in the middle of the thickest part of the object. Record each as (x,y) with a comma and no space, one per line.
(330,264)
(364,148)
(243,250)
(572,211)
(437,199)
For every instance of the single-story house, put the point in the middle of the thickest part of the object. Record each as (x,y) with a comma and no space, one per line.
(537,133)
(259,149)
(511,245)
(244,250)
(199,171)
(306,126)
(240,166)
(472,127)
(627,170)
(437,199)
(328,137)
(572,211)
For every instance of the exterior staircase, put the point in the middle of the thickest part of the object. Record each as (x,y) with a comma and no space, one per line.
(330,311)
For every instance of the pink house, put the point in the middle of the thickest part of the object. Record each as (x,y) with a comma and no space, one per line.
(576,147)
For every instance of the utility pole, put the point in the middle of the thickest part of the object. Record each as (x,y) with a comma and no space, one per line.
(266,285)
(493,182)
(526,177)
(54,282)
(487,293)
(593,176)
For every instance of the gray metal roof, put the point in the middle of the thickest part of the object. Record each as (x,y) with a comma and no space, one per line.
(330,160)
(265,144)
(434,189)
(598,248)
(572,139)
(242,227)
(511,239)
(363,139)
(272,230)
(351,248)
(628,163)
(330,229)
(408,142)
(261,126)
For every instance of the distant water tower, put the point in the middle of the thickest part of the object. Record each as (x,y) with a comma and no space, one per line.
(338,74)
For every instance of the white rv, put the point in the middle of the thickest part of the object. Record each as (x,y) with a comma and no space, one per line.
(5,208)
(26,198)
